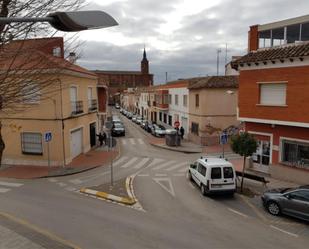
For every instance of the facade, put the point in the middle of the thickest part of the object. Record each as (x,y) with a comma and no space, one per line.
(274,99)
(66,109)
(212,108)
(117,81)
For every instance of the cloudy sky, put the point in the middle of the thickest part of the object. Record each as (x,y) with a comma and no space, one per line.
(181,36)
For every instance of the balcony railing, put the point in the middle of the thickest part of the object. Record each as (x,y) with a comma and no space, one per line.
(92,105)
(77,107)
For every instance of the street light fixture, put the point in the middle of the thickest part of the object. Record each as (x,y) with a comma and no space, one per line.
(70,21)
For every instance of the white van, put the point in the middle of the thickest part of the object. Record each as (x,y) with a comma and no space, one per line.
(213,175)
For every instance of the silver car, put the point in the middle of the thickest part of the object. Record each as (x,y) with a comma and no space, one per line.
(290,201)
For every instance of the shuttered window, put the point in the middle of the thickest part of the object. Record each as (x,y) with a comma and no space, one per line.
(273,94)
(31,143)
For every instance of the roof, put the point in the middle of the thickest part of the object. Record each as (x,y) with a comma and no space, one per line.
(215,161)
(115,72)
(214,82)
(274,53)
(30,55)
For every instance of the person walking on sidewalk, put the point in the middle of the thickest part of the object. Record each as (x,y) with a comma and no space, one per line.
(182,132)
(102,138)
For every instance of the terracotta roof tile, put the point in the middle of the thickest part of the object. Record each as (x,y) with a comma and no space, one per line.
(214,82)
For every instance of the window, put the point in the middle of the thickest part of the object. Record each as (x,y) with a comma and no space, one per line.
(185,100)
(216,173)
(228,172)
(301,195)
(160,116)
(31,93)
(57,51)
(293,33)
(295,153)
(194,128)
(273,94)
(201,169)
(170,99)
(197,100)
(165,117)
(31,143)
(176,99)
(277,37)
(305,32)
(265,39)
(170,120)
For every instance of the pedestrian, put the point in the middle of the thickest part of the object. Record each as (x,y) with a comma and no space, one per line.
(182,132)
(102,138)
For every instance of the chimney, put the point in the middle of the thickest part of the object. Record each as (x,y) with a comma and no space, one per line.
(72,57)
(253,38)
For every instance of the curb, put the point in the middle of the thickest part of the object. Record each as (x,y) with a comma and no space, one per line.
(104,195)
(172,149)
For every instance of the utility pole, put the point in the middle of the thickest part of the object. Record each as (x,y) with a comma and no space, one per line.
(225,53)
(218,51)
(165,77)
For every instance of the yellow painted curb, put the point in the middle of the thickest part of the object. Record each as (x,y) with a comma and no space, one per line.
(39,230)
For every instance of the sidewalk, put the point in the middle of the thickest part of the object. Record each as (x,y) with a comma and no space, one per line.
(92,159)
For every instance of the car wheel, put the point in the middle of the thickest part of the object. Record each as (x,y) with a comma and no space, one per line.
(190,176)
(203,189)
(273,208)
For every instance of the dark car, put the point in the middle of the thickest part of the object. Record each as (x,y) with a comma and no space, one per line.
(118,129)
(148,126)
(289,201)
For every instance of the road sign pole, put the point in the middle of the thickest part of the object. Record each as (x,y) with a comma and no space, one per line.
(110,145)
(48,156)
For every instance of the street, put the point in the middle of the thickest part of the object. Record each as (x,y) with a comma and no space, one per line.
(171,213)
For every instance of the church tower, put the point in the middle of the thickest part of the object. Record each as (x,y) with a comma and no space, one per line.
(144,64)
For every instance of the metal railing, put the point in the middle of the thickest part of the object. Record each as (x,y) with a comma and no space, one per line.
(77,107)
(92,105)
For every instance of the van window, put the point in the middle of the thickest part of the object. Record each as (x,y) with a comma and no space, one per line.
(201,169)
(216,173)
(228,172)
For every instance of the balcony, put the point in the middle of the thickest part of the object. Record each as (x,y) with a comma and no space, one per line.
(77,107)
(92,105)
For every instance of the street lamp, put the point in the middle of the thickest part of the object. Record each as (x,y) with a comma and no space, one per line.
(70,21)
(218,51)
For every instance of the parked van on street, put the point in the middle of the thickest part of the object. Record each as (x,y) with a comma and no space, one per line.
(213,175)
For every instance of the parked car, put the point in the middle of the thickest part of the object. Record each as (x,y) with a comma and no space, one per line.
(134,118)
(129,115)
(158,130)
(213,175)
(143,123)
(118,129)
(138,120)
(289,201)
(117,106)
(148,126)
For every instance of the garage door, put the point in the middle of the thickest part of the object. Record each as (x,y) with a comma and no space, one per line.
(76,142)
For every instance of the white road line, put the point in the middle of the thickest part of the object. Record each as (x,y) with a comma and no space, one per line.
(143,175)
(11,184)
(141,163)
(164,165)
(191,185)
(4,190)
(140,141)
(185,169)
(52,180)
(119,161)
(155,162)
(283,231)
(161,174)
(70,189)
(124,142)
(130,162)
(181,174)
(62,184)
(239,213)
(132,141)
(179,165)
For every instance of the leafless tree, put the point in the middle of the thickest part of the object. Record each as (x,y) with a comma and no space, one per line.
(24,71)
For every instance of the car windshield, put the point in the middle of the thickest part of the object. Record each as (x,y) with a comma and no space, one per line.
(118,125)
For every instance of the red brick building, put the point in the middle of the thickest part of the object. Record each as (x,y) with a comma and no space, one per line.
(115,82)
(274,97)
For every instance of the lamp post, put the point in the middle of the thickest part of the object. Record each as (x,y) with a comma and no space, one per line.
(70,21)
(218,52)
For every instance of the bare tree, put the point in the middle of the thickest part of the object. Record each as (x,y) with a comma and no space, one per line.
(25,72)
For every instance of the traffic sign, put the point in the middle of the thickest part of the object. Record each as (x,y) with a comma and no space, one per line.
(48,136)
(176,124)
(223,138)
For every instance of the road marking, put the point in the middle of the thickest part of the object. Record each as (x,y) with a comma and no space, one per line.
(283,231)
(181,174)
(132,141)
(169,188)
(88,178)
(52,180)
(10,184)
(61,184)
(140,141)
(177,166)
(191,185)
(70,189)
(254,208)
(131,161)
(119,161)
(124,142)
(161,174)
(141,163)
(239,213)
(164,165)
(4,190)
(143,175)
(184,169)
(76,181)
(155,162)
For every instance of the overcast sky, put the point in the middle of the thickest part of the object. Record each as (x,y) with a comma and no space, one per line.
(181,36)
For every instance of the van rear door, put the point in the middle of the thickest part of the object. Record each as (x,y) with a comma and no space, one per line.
(222,178)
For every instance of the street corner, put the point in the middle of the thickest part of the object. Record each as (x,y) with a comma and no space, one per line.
(119,192)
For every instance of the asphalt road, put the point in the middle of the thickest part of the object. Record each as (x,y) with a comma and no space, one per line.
(173,213)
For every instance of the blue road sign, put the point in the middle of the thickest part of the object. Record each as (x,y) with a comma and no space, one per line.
(48,136)
(223,138)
